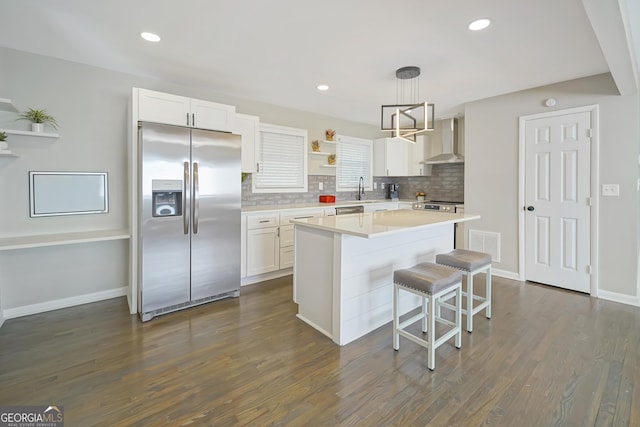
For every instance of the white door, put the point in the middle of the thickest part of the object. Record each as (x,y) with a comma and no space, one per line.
(557,197)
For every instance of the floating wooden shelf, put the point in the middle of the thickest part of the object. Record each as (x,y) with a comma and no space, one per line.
(330,142)
(320,153)
(328,166)
(30,133)
(7,105)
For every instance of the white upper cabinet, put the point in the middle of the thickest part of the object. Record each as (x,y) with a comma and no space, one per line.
(249,128)
(416,155)
(390,157)
(396,157)
(159,107)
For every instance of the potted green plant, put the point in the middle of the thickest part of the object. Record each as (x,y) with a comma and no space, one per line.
(3,142)
(38,119)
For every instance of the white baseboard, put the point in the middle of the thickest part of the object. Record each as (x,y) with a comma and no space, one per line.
(621,298)
(267,276)
(26,310)
(506,274)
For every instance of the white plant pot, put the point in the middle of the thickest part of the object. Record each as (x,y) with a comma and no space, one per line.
(4,146)
(37,127)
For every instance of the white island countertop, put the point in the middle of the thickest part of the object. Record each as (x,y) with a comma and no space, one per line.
(376,224)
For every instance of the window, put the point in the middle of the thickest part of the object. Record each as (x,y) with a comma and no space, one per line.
(353,160)
(282,160)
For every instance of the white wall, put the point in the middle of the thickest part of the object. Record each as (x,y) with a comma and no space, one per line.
(91,107)
(491,171)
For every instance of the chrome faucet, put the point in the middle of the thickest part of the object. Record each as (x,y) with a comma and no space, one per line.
(360,189)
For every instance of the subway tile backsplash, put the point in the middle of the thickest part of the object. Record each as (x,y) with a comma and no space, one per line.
(445,183)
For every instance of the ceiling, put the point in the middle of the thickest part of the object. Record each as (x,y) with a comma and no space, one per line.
(277,51)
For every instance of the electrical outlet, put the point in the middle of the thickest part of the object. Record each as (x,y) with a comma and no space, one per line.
(375,185)
(611,190)
(321,186)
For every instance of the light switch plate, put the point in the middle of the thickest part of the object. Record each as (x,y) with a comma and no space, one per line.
(611,190)
(321,186)
(375,185)
(382,185)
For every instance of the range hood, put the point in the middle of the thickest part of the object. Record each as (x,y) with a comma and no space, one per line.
(449,145)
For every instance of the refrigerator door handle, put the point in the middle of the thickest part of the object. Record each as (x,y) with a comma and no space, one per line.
(185,197)
(196,197)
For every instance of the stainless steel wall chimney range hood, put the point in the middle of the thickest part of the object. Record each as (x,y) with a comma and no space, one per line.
(449,145)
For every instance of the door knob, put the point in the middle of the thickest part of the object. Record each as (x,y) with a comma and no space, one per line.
(530,208)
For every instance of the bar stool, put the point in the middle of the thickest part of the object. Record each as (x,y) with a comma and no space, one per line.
(429,281)
(470,263)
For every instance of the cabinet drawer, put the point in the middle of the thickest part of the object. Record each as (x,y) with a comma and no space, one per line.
(262,221)
(286,235)
(286,257)
(286,217)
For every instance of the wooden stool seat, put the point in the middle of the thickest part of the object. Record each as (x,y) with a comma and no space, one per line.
(429,281)
(470,263)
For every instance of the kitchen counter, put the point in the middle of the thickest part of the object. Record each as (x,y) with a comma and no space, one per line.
(343,266)
(316,205)
(376,224)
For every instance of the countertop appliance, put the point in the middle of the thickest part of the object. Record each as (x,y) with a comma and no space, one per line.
(189,226)
(393,191)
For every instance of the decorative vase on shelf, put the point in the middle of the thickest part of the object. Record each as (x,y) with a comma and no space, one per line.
(329,134)
(37,127)
(315,145)
(331,159)
(4,146)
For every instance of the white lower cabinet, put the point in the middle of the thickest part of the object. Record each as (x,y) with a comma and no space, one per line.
(263,244)
(269,240)
(263,251)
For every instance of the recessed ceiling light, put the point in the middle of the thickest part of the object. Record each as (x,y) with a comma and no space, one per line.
(479,24)
(150,37)
(322,87)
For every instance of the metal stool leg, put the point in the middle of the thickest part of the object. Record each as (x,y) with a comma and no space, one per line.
(469,302)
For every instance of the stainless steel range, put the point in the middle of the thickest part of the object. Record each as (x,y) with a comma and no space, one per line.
(446,207)
(438,205)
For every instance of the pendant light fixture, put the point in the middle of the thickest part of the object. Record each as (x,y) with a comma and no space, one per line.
(407,117)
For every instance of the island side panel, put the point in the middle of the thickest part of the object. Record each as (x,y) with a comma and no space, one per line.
(365,281)
(313,277)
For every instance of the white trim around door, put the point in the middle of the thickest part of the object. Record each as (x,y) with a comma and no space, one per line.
(595,179)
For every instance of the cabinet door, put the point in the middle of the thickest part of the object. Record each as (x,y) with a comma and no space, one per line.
(416,155)
(164,108)
(286,257)
(210,115)
(286,236)
(397,157)
(248,127)
(263,250)
(390,157)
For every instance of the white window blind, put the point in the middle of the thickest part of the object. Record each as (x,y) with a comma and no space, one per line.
(353,160)
(282,160)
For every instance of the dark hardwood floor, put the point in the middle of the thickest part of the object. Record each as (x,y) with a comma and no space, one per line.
(547,358)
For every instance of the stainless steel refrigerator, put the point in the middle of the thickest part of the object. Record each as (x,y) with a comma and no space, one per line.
(189,227)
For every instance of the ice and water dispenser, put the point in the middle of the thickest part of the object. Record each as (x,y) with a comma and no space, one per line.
(166,197)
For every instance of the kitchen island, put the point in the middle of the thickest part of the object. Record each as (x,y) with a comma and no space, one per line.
(343,267)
